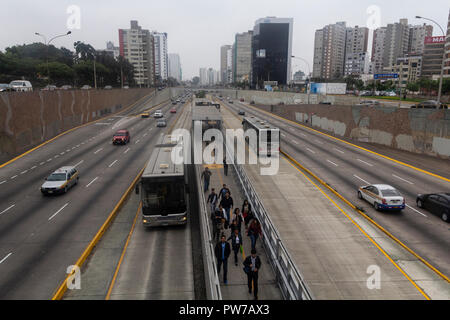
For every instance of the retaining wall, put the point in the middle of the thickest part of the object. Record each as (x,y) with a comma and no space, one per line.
(30,118)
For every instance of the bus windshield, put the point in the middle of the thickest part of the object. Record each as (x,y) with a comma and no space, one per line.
(163,197)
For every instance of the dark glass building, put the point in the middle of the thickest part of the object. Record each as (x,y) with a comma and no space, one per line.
(271,51)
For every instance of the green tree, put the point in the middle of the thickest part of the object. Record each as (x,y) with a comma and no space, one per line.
(413,86)
(60,73)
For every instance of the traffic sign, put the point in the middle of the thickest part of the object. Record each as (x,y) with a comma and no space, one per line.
(381,76)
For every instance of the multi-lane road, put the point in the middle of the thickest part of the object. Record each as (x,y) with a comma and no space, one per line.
(346,167)
(40,237)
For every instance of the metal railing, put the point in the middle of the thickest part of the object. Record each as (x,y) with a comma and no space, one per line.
(289,278)
(213,291)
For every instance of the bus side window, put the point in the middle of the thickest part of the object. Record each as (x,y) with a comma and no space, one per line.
(137,188)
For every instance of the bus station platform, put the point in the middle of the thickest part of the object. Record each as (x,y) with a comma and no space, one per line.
(331,251)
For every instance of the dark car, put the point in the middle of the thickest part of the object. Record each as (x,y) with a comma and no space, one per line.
(436,203)
(430,104)
(121,137)
(241,113)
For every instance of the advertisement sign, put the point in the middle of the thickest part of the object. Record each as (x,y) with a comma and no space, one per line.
(383,76)
(431,40)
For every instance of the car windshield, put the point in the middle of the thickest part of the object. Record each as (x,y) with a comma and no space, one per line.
(121,134)
(57,177)
(16,83)
(390,192)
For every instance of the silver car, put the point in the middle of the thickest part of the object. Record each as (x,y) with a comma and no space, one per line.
(60,181)
(161,123)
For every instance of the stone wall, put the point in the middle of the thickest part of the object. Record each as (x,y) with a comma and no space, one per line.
(30,118)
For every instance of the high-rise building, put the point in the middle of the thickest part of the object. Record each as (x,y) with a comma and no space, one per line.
(271,51)
(356,55)
(175,66)
(203,75)
(242,56)
(408,67)
(137,46)
(447,50)
(396,42)
(417,35)
(379,36)
(225,63)
(329,51)
(112,50)
(432,57)
(161,55)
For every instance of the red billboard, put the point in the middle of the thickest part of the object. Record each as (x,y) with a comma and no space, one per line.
(431,40)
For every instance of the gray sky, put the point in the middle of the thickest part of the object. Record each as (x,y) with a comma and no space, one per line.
(197,28)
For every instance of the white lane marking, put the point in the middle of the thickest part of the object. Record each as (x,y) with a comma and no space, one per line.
(3,182)
(91,182)
(33,167)
(49,160)
(73,148)
(137,142)
(98,150)
(369,164)
(303,134)
(79,163)
(56,156)
(368,183)
(296,142)
(402,179)
(283,135)
(23,172)
(332,163)
(10,207)
(58,211)
(310,150)
(68,150)
(114,162)
(126,151)
(4,259)
(62,153)
(292,129)
(78,145)
(319,142)
(41,163)
(339,150)
(83,142)
(13,177)
(416,211)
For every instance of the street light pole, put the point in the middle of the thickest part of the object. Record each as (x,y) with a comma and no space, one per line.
(46,49)
(441,79)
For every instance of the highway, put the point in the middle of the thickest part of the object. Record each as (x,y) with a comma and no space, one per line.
(40,237)
(345,168)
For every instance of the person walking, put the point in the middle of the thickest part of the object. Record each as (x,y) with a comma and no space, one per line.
(217,220)
(227,204)
(252,264)
(225,166)
(212,199)
(206,175)
(222,252)
(236,220)
(254,232)
(224,191)
(246,212)
(236,244)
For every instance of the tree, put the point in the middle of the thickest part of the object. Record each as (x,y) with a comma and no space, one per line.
(83,51)
(60,73)
(413,86)
(195,81)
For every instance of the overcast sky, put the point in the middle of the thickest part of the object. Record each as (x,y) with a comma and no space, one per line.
(197,28)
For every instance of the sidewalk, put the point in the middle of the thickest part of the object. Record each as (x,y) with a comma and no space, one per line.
(237,289)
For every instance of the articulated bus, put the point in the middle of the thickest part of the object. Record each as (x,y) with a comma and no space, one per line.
(164,187)
(266,135)
(207,112)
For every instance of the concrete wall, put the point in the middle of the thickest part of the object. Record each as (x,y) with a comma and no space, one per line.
(30,118)
(414,130)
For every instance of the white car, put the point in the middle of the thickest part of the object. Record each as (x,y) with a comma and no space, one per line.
(60,181)
(158,114)
(382,197)
(21,85)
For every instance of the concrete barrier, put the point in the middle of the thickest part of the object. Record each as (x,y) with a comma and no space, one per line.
(30,118)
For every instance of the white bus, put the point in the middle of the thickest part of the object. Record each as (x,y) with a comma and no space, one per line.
(164,187)
(267,135)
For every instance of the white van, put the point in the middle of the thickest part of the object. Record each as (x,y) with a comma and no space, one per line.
(21,85)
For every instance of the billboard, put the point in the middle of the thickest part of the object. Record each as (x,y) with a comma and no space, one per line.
(384,76)
(431,40)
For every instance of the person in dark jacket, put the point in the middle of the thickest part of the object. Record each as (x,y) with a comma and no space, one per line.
(252,264)
(225,166)
(212,199)
(224,191)
(236,243)
(254,232)
(222,252)
(236,220)
(227,204)
(246,212)
(206,176)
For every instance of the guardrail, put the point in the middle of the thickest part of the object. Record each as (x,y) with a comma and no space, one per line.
(289,278)
(213,291)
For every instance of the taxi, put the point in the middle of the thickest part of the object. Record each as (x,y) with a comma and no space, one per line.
(382,197)
(145,115)
(60,181)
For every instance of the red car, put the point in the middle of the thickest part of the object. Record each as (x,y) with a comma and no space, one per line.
(121,137)
(242,100)
(173,110)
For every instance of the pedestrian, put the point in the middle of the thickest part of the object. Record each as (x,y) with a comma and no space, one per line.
(222,252)
(236,244)
(212,199)
(236,220)
(224,191)
(254,232)
(217,217)
(252,264)
(246,212)
(225,166)
(206,175)
(227,204)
